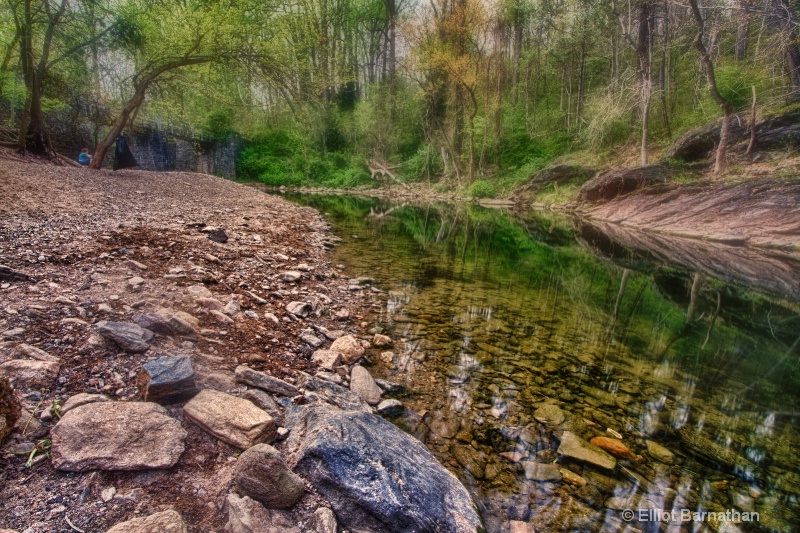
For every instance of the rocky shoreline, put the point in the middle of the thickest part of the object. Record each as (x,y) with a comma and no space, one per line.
(184,357)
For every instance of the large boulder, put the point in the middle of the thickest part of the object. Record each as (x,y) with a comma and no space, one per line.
(164,522)
(613,183)
(10,408)
(376,477)
(234,420)
(697,144)
(116,436)
(261,474)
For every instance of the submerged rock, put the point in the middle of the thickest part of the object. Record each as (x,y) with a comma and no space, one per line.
(116,436)
(705,448)
(576,448)
(660,453)
(616,448)
(375,476)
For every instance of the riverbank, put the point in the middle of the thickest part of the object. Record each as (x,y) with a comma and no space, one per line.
(126,286)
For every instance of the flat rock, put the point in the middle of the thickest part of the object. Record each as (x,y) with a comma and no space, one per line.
(375,476)
(233,420)
(128,336)
(576,448)
(549,414)
(263,381)
(390,408)
(198,291)
(312,340)
(170,380)
(361,383)
(26,351)
(246,515)
(301,309)
(82,398)
(261,474)
(518,526)
(30,374)
(541,471)
(212,304)
(660,453)
(116,436)
(264,401)
(329,392)
(350,348)
(327,359)
(615,447)
(164,522)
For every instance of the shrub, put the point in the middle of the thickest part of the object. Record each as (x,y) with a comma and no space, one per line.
(482,189)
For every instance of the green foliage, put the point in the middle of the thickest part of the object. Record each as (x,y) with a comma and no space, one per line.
(426,164)
(482,189)
(220,123)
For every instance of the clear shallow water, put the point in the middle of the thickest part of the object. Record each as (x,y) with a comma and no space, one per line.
(503,326)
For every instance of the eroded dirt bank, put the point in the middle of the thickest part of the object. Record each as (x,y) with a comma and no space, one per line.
(96,246)
(758,212)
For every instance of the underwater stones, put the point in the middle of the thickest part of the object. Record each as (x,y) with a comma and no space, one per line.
(549,414)
(616,448)
(660,453)
(390,408)
(541,471)
(576,448)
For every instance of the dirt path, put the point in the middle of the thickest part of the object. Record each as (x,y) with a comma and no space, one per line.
(84,237)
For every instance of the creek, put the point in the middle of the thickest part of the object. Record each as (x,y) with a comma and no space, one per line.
(514,334)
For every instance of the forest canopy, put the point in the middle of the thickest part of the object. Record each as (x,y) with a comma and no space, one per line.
(332,91)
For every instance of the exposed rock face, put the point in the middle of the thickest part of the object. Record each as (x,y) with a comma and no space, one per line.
(361,383)
(163,522)
(128,336)
(576,448)
(263,381)
(261,474)
(613,183)
(246,515)
(375,476)
(170,380)
(233,420)
(10,409)
(116,436)
(349,347)
(697,144)
(30,374)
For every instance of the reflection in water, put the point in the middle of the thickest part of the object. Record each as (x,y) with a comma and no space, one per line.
(519,345)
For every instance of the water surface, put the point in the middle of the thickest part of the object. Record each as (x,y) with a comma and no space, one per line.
(503,324)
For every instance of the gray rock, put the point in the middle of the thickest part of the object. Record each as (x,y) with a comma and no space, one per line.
(300,309)
(361,383)
(246,515)
(394,486)
(322,521)
(218,235)
(154,322)
(264,401)
(233,420)
(261,474)
(327,359)
(349,347)
(198,291)
(82,399)
(263,381)
(128,336)
(390,408)
(549,414)
(576,448)
(660,453)
(212,304)
(164,522)
(389,387)
(312,340)
(291,276)
(30,374)
(26,351)
(541,471)
(170,380)
(116,436)
(326,391)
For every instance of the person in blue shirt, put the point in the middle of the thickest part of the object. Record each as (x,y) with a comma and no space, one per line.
(84,159)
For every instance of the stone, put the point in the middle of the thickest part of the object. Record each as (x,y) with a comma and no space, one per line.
(30,374)
(473,461)
(26,351)
(108,494)
(232,307)
(291,276)
(128,336)
(246,515)
(263,381)
(154,322)
(264,401)
(164,522)
(613,183)
(82,398)
(333,394)
(616,448)
(381,340)
(261,474)
(361,383)
(517,526)
(322,521)
(116,436)
(660,453)
(312,340)
(170,380)
(513,457)
(390,408)
(135,282)
(136,265)
(389,387)
(13,332)
(327,359)
(299,309)
(198,291)
(218,235)
(574,447)
(221,317)
(572,478)
(233,420)
(212,304)
(549,414)
(181,323)
(541,471)
(375,476)
(350,348)
(10,408)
